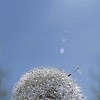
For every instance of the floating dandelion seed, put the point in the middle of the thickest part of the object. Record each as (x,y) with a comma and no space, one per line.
(65,31)
(62,51)
(63,40)
(47,84)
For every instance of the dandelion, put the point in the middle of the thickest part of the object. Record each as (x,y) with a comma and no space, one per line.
(47,84)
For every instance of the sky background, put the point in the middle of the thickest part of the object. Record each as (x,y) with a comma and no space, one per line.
(61,33)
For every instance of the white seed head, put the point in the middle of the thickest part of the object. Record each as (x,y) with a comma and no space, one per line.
(46,84)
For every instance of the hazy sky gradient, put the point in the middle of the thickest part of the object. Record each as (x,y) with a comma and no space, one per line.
(31,33)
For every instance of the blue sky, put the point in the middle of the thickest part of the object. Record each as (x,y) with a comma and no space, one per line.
(31,33)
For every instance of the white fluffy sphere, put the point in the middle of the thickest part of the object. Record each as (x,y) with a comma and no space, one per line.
(47,84)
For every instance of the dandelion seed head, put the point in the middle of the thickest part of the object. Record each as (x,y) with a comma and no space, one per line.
(47,84)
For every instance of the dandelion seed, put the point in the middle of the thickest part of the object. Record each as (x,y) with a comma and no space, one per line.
(73,72)
(62,51)
(65,31)
(63,40)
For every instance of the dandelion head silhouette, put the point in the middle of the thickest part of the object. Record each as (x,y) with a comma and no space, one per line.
(47,84)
